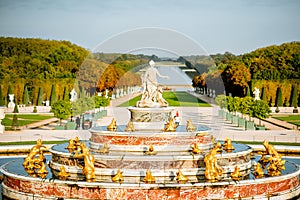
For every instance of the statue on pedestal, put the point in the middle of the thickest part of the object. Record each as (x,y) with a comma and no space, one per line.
(73,94)
(256,93)
(11,103)
(152,94)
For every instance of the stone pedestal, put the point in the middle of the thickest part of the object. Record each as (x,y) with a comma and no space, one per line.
(150,119)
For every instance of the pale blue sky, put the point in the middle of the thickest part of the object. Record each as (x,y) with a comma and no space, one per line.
(237,26)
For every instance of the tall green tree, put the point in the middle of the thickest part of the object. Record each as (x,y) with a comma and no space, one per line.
(2,102)
(53,96)
(294,97)
(15,123)
(66,96)
(40,98)
(248,92)
(263,94)
(278,100)
(260,109)
(61,110)
(25,96)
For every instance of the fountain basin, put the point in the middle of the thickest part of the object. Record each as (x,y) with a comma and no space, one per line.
(18,185)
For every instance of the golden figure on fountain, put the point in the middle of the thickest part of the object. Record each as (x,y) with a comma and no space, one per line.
(276,163)
(213,171)
(170,126)
(190,126)
(150,151)
(89,168)
(118,177)
(130,127)
(149,178)
(195,149)
(63,174)
(113,125)
(228,145)
(104,149)
(236,174)
(180,177)
(258,171)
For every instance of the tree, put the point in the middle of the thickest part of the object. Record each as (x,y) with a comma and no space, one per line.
(278,100)
(294,96)
(66,96)
(260,109)
(248,92)
(245,106)
(53,97)
(263,94)
(61,110)
(15,123)
(2,102)
(40,97)
(25,96)
(221,100)
(101,101)
(82,105)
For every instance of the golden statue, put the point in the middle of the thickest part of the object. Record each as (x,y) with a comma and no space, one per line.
(149,178)
(218,147)
(104,149)
(130,127)
(236,174)
(212,170)
(150,151)
(228,145)
(63,174)
(42,169)
(195,149)
(276,163)
(180,177)
(89,168)
(113,125)
(71,147)
(170,126)
(258,172)
(34,151)
(189,126)
(118,177)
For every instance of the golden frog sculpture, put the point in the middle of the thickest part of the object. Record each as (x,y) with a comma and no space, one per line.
(218,147)
(149,178)
(63,174)
(104,149)
(180,177)
(236,174)
(113,125)
(189,126)
(258,171)
(195,149)
(227,145)
(130,127)
(170,126)
(276,163)
(118,177)
(150,151)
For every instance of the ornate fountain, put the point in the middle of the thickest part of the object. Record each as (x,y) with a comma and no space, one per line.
(151,158)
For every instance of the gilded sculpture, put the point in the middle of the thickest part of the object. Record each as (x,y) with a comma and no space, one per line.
(170,126)
(258,171)
(130,127)
(118,177)
(88,168)
(190,127)
(104,149)
(34,162)
(276,163)
(236,174)
(180,177)
(112,126)
(149,178)
(227,145)
(195,149)
(150,151)
(213,171)
(63,174)
(218,147)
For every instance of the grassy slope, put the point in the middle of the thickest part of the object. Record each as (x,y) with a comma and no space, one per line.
(182,99)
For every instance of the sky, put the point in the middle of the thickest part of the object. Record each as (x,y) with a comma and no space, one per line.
(218,26)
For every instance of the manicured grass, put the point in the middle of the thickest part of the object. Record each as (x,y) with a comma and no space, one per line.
(182,99)
(32,142)
(24,119)
(293,119)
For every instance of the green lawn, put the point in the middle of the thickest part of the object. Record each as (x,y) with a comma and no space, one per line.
(293,119)
(182,99)
(24,119)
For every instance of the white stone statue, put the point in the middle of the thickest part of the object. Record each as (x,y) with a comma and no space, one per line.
(151,94)
(73,94)
(256,93)
(11,103)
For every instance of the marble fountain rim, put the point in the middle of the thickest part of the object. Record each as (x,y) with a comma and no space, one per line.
(143,185)
(157,109)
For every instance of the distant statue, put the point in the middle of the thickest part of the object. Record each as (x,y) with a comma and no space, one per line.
(152,95)
(73,95)
(11,103)
(256,93)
